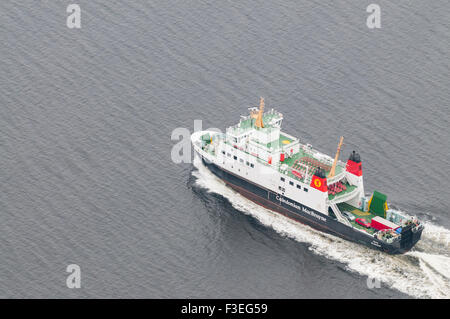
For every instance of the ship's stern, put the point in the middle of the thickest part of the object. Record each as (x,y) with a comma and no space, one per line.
(409,237)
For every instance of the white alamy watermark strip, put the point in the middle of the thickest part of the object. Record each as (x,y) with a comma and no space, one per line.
(182,151)
(373,21)
(74,279)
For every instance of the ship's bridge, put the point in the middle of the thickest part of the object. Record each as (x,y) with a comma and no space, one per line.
(272,120)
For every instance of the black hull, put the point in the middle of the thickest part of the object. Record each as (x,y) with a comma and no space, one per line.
(306,215)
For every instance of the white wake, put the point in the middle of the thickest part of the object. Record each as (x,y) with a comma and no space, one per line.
(421,273)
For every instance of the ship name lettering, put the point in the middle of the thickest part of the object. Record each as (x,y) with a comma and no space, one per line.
(304,209)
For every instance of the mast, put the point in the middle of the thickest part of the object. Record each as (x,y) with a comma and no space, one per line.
(259,118)
(333,168)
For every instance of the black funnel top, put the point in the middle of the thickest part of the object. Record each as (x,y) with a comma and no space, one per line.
(320,173)
(355,157)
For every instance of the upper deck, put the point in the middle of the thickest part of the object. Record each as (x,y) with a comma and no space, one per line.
(358,213)
(271,120)
(308,160)
(259,135)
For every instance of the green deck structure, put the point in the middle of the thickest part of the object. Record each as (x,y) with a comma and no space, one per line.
(290,161)
(377,205)
(250,123)
(358,214)
(279,143)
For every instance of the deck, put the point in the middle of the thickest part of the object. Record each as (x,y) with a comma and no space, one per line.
(350,188)
(304,159)
(358,214)
(249,123)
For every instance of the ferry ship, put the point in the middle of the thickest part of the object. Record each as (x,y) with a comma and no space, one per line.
(276,170)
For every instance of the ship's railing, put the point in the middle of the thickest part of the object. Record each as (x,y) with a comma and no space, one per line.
(387,235)
(286,170)
(320,156)
(286,147)
(290,136)
(344,197)
(198,144)
(338,214)
(219,137)
(236,130)
(336,178)
(211,148)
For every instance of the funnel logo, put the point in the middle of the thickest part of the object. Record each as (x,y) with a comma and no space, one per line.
(318,183)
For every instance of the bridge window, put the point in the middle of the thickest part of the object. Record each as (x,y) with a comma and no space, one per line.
(305,189)
(282,179)
(235,157)
(291,183)
(299,187)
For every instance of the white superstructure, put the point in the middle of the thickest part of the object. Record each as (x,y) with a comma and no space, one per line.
(278,161)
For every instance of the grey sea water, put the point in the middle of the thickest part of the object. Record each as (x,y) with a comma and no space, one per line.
(86,117)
